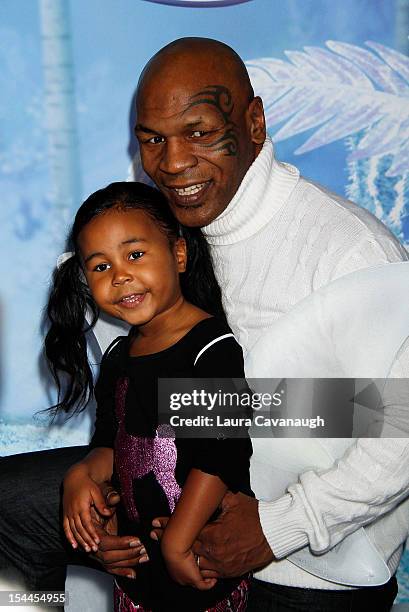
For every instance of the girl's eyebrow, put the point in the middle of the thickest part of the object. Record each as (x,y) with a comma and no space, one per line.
(93,255)
(128,241)
(135,239)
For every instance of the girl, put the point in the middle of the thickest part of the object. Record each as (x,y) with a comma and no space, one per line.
(131,262)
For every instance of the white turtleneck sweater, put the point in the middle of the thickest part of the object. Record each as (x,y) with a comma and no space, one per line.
(280,239)
(283,237)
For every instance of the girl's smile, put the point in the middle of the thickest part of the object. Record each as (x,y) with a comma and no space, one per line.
(132,300)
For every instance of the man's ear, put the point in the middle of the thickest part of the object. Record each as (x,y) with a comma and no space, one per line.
(181,254)
(257,121)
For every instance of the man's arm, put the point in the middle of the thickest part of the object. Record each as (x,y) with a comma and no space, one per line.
(368,481)
(250,534)
(322,509)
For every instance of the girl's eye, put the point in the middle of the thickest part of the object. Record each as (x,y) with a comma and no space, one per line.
(102,267)
(135,255)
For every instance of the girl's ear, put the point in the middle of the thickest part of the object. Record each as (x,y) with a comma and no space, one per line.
(181,254)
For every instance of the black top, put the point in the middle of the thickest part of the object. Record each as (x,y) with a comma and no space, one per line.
(151,469)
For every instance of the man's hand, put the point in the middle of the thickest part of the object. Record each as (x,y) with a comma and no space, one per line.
(118,554)
(234,543)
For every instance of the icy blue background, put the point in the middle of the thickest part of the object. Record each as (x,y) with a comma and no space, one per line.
(111,42)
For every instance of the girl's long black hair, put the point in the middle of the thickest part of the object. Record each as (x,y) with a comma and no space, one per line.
(70,298)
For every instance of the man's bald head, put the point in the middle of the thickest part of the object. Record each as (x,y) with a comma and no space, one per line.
(198,125)
(209,57)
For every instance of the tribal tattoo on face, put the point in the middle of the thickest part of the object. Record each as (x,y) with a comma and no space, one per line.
(220,98)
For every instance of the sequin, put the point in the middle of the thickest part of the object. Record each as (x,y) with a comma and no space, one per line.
(136,456)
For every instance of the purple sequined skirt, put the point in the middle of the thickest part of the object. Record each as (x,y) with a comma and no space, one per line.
(235,602)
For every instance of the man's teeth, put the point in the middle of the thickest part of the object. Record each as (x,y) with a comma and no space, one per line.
(185,191)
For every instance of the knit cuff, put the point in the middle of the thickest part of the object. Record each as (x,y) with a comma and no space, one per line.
(283,525)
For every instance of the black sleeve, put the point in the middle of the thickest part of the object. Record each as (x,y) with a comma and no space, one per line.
(226,457)
(105,419)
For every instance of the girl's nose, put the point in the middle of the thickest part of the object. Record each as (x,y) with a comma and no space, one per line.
(121,276)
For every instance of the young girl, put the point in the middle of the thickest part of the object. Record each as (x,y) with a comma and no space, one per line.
(131,262)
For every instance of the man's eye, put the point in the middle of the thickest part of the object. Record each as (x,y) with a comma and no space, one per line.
(102,267)
(135,255)
(155,140)
(198,134)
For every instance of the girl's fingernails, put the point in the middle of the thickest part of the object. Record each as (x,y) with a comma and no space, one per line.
(154,536)
(144,559)
(134,543)
(142,551)
(95,548)
(132,576)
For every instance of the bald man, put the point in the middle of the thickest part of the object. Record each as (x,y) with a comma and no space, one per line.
(275,238)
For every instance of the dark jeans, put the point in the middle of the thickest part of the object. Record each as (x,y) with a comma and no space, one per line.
(266,597)
(31,537)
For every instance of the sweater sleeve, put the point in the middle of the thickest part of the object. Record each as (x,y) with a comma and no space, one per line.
(369,251)
(323,508)
(371,479)
(229,456)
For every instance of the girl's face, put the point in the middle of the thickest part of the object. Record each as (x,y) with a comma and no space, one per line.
(131,269)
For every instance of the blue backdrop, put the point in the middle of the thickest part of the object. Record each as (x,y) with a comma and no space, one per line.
(335,80)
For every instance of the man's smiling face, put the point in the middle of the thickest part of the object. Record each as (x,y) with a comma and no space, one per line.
(197,138)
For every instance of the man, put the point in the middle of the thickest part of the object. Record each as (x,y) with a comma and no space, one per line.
(275,238)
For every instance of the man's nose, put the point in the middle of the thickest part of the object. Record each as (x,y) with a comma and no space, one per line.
(177,156)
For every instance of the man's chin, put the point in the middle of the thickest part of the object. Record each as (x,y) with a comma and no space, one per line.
(198,215)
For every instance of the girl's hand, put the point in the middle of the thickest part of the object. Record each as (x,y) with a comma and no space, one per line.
(81,493)
(184,569)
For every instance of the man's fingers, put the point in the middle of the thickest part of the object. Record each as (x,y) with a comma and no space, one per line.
(201,546)
(127,557)
(120,571)
(113,498)
(114,543)
(110,495)
(203,563)
(229,500)
(121,558)
(156,534)
(160,521)
(128,563)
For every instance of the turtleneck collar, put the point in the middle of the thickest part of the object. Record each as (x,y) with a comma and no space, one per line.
(264,189)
